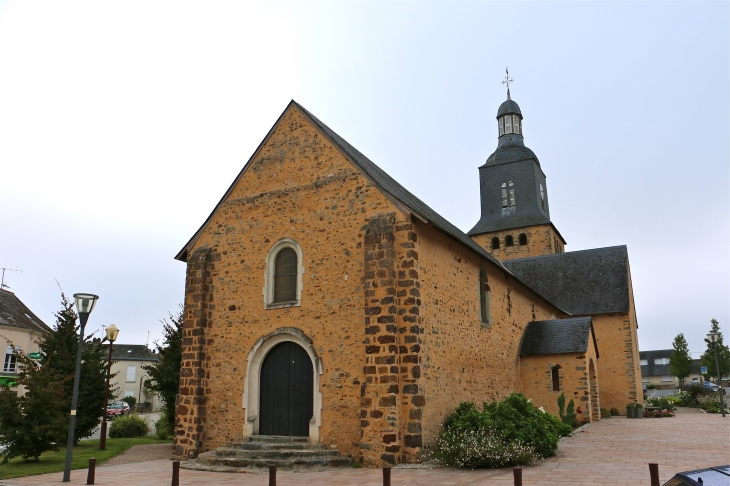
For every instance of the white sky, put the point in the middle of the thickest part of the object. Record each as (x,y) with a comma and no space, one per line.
(123,123)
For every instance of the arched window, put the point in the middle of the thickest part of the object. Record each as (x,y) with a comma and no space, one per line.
(495,243)
(556,377)
(509,241)
(283,278)
(523,239)
(485,298)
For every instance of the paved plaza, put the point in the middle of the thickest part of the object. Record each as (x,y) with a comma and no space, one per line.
(615,451)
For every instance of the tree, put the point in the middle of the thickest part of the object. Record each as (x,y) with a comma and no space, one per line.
(680,362)
(37,421)
(58,350)
(723,353)
(165,374)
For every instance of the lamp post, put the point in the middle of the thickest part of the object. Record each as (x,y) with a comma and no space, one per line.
(714,337)
(111,335)
(84,305)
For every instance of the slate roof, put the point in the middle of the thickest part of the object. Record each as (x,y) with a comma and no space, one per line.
(132,352)
(14,313)
(396,193)
(581,282)
(558,336)
(651,369)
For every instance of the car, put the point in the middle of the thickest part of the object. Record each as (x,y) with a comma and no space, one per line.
(115,409)
(643,386)
(702,477)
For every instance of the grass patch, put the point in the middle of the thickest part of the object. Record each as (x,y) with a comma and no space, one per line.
(55,461)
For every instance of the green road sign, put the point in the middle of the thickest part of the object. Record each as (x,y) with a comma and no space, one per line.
(34,355)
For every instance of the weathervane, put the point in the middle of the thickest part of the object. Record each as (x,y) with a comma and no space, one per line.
(507,80)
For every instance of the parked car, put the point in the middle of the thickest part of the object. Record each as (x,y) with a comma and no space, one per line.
(711,476)
(116,409)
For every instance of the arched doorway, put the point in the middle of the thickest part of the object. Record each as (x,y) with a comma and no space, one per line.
(286,393)
(595,404)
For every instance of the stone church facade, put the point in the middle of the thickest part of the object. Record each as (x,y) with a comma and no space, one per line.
(324,300)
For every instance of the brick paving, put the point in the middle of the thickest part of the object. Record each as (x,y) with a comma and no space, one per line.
(614,451)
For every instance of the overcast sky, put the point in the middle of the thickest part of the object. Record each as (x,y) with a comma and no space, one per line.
(123,123)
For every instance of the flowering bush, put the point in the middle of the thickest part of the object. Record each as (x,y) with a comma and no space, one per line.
(483,447)
(472,436)
(709,403)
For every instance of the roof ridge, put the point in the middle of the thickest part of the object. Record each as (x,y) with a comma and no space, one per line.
(587,250)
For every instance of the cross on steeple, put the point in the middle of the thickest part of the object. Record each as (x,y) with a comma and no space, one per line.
(507,80)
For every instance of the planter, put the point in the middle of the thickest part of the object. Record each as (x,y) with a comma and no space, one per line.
(634,412)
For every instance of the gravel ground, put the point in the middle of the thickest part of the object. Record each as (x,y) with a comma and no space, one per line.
(141,453)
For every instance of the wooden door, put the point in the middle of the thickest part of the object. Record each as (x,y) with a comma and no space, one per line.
(286,394)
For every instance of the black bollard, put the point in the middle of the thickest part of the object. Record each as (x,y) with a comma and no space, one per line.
(386,476)
(517,473)
(92,471)
(175,473)
(272,475)
(654,473)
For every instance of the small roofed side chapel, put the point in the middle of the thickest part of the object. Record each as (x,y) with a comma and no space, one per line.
(332,315)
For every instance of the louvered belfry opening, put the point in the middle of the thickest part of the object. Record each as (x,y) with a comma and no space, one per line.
(285,276)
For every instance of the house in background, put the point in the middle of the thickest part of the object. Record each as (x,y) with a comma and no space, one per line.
(128,361)
(655,369)
(19,327)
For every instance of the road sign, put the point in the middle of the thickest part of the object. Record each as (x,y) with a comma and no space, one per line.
(706,384)
(34,355)
(703,370)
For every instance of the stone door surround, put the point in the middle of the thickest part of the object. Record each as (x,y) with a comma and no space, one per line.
(252,383)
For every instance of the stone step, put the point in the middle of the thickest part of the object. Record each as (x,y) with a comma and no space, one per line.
(274,453)
(210,461)
(277,438)
(275,446)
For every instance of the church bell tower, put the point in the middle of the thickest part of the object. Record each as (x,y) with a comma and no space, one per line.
(515,221)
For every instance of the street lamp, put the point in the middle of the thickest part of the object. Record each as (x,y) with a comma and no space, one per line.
(111,335)
(84,305)
(714,337)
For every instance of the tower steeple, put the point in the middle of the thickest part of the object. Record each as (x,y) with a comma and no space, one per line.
(514,199)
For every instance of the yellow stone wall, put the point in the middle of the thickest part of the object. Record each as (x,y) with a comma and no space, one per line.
(297,186)
(541,240)
(462,359)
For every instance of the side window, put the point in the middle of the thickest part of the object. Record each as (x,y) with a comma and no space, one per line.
(556,377)
(131,371)
(283,276)
(523,239)
(516,123)
(485,298)
(504,194)
(495,243)
(511,194)
(509,241)
(10,364)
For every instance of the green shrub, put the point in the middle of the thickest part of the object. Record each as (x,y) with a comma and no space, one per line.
(690,396)
(128,426)
(131,401)
(525,432)
(710,403)
(614,412)
(605,413)
(163,427)
(651,386)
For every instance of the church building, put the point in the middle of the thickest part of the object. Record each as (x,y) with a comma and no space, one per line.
(325,302)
